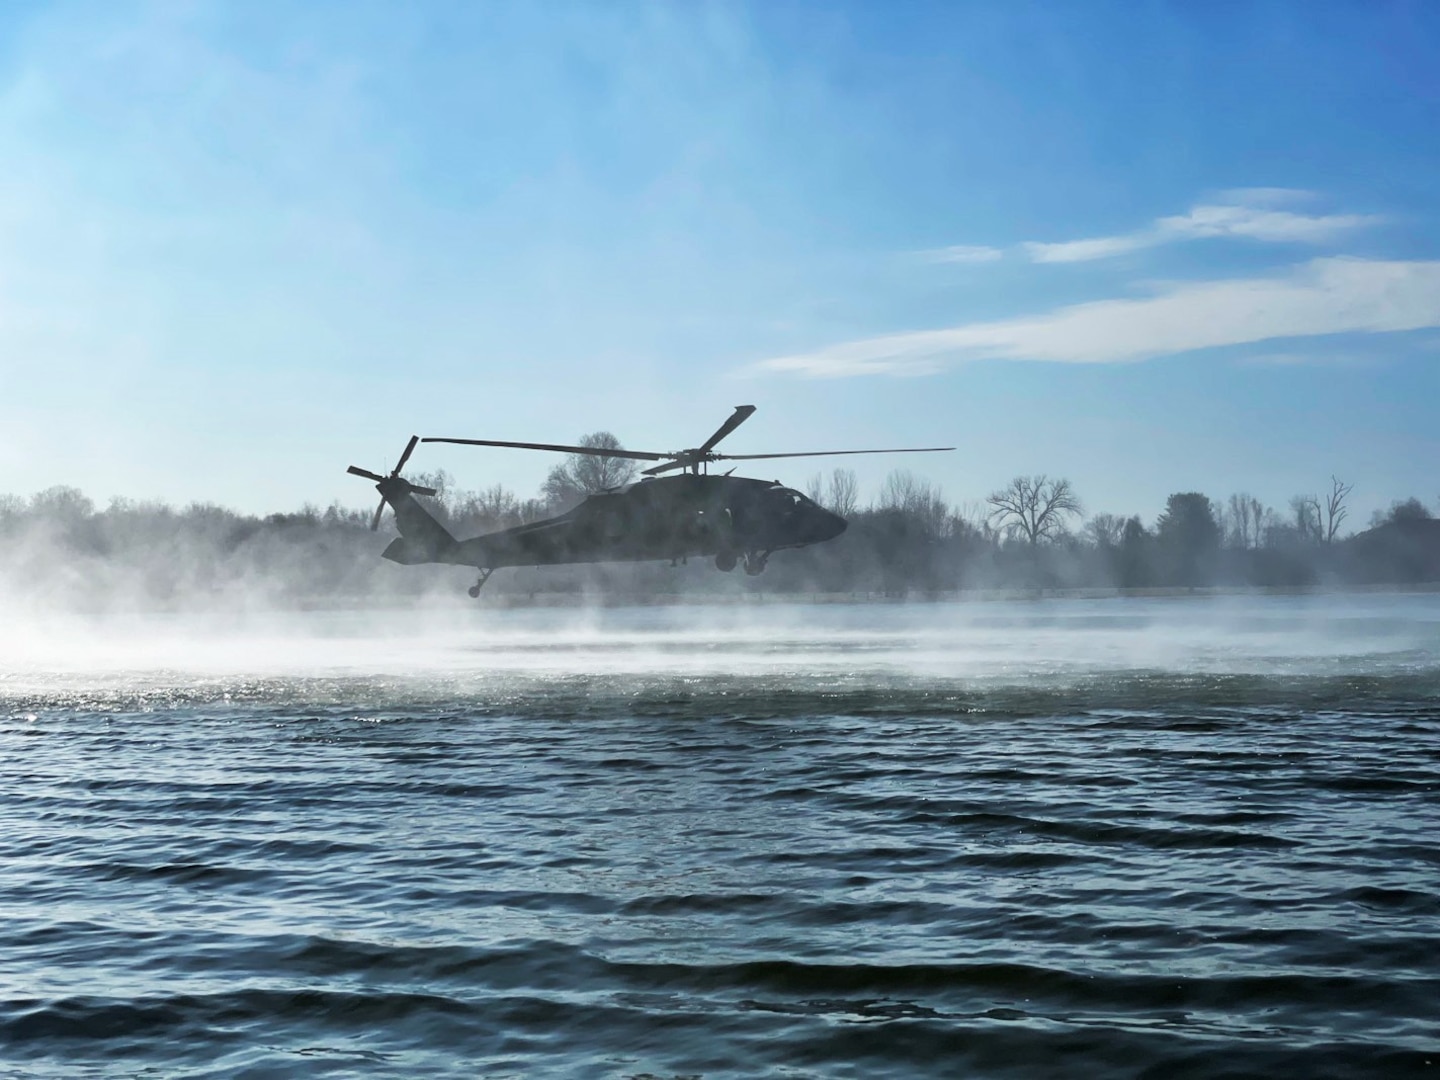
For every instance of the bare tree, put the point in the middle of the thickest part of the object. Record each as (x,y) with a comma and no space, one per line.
(11,507)
(1305,512)
(814,487)
(973,518)
(1105,530)
(904,492)
(901,490)
(1242,521)
(843,495)
(1335,510)
(586,474)
(60,503)
(495,507)
(1033,507)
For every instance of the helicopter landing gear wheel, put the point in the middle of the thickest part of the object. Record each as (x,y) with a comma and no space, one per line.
(725,561)
(474,590)
(755,562)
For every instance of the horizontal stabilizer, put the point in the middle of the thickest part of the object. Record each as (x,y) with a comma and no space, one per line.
(413,550)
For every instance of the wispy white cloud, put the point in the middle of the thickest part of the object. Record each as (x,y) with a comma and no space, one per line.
(963,253)
(1100,247)
(1256,223)
(1250,213)
(1321,297)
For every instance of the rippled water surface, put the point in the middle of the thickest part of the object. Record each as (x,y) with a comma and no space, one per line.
(1160,838)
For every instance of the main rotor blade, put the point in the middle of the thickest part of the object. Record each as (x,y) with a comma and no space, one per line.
(409,449)
(415,489)
(379,510)
(832,453)
(355,470)
(738,417)
(593,451)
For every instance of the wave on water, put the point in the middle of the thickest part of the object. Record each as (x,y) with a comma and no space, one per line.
(1119,838)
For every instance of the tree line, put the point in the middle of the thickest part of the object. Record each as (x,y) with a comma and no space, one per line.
(1033,534)
(57,547)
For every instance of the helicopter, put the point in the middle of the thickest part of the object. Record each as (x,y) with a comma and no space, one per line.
(734,519)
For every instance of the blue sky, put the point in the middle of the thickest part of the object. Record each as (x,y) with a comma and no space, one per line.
(1149,247)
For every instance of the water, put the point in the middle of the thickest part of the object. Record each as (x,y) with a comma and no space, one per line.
(1113,838)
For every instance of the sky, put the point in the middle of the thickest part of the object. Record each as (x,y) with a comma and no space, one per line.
(1148,247)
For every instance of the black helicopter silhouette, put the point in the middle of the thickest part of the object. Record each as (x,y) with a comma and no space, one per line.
(733,518)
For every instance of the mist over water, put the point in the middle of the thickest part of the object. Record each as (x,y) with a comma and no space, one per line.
(1025,641)
(1122,837)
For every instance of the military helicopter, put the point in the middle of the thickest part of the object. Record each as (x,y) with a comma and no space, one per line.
(735,519)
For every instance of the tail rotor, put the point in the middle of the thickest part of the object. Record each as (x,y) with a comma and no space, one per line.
(394,484)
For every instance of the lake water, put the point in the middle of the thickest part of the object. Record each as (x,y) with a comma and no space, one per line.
(1168,838)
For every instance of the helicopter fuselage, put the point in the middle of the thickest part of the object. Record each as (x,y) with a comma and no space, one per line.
(674,517)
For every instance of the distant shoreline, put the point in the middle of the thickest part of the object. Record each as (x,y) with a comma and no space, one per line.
(539,599)
(938,596)
(436,600)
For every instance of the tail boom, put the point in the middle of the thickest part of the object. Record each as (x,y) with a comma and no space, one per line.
(422,538)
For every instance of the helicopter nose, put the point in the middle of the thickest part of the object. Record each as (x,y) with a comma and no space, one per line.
(827,526)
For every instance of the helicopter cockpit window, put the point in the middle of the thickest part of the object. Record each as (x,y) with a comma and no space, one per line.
(787,500)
